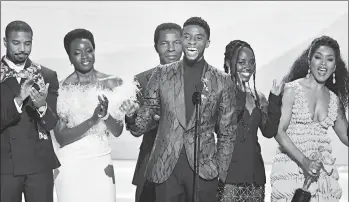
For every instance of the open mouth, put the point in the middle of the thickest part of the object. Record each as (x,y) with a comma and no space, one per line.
(192,50)
(245,74)
(85,63)
(322,71)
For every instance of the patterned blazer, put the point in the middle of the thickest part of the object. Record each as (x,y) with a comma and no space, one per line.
(165,93)
(148,137)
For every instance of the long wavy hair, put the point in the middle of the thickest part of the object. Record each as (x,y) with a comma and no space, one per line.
(300,68)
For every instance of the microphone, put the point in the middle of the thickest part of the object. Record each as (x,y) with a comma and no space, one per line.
(196,98)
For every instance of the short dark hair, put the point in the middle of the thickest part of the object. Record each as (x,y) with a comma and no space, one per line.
(77,34)
(165,26)
(200,22)
(17,26)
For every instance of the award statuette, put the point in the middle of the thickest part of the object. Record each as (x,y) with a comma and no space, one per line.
(302,194)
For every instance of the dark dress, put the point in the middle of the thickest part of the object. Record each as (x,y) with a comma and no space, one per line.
(246,174)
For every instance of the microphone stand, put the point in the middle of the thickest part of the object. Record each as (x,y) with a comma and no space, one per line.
(197,102)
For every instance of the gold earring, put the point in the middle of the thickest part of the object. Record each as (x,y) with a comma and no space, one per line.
(334,78)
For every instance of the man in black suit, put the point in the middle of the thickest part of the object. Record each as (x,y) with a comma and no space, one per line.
(28,113)
(167,43)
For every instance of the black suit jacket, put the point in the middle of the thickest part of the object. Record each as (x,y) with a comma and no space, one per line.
(148,137)
(22,152)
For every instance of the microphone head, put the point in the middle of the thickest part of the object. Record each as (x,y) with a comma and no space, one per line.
(199,86)
(196,99)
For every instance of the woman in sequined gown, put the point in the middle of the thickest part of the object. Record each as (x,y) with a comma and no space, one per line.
(246,174)
(89,115)
(314,97)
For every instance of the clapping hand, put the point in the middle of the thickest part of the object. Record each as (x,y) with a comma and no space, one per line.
(129,107)
(277,88)
(26,89)
(101,110)
(103,105)
(39,97)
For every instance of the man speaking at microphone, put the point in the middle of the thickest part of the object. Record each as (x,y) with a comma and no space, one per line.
(170,91)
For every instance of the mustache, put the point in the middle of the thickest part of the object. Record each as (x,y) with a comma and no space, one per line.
(21,53)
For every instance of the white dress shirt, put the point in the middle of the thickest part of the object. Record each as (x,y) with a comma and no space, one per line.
(18,68)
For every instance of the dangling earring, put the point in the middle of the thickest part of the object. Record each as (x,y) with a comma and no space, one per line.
(308,75)
(334,78)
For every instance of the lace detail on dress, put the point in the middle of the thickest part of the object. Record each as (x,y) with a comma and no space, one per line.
(242,192)
(76,103)
(309,137)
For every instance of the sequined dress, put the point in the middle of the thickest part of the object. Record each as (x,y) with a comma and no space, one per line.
(309,137)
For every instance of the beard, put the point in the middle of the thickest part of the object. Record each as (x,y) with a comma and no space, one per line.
(17,58)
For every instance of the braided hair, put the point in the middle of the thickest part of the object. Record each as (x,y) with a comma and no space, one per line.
(300,68)
(231,56)
(232,51)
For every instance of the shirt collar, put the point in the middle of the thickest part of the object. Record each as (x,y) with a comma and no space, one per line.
(199,64)
(13,66)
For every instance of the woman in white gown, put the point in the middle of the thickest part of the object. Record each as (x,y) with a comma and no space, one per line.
(88,108)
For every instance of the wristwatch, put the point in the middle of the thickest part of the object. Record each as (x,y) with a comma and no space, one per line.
(42,108)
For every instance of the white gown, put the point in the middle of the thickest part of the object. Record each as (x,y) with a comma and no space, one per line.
(85,163)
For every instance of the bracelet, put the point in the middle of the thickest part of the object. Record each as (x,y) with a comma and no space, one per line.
(105,117)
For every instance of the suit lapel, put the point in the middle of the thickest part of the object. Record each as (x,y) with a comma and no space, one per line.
(11,81)
(14,85)
(178,82)
(28,63)
(192,119)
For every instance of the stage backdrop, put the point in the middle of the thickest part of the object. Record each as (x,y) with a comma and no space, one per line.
(278,32)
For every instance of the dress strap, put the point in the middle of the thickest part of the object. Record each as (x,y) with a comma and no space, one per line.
(333,108)
(296,86)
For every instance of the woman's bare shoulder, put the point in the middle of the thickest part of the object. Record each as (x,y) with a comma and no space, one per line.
(71,79)
(109,81)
